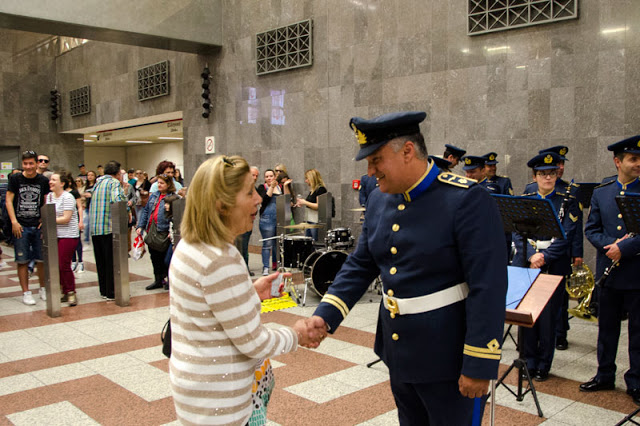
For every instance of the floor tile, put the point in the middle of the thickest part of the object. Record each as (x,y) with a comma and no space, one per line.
(62,413)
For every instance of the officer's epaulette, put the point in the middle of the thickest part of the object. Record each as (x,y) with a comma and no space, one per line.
(529,194)
(533,181)
(604,184)
(506,177)
(456,180)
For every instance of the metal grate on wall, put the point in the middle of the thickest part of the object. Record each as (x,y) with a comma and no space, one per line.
(80,101)
(486,16)
(153,81)
(284,48)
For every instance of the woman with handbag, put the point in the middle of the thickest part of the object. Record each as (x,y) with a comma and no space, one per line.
(153,220)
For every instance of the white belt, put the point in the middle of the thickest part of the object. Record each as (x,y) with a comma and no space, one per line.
(540,244)
(430,302)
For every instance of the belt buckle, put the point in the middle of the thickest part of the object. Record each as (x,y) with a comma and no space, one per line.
(392,306)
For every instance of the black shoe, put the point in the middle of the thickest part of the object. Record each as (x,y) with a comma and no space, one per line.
(595,385)
(532,373)
(562,344)
(541,375)
(635,394)
(251,274)
(154,286)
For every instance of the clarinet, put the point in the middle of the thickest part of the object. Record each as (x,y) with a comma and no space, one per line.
(605,275)
(563,206)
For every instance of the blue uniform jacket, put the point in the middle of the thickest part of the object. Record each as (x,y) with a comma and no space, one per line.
(577,243)
(604,226)
(498,185)
(444,231)
(145,215)
(557,257)
(367,185)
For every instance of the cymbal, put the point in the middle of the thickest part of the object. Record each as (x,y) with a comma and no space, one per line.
(303,226)
(359,209)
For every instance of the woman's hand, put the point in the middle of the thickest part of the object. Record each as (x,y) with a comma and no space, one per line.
(139,231)
(263,284)
(287,182)
(301,202)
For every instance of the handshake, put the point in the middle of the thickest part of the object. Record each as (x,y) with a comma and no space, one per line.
(311,331)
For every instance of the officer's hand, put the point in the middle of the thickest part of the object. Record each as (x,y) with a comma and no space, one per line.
(537,260)
(613,252)
(577,261)
(472,388)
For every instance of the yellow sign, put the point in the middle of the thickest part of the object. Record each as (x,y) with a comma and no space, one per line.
(277,303)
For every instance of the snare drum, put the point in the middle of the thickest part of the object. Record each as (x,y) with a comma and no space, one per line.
(339,238)
(321,267)
(296,250)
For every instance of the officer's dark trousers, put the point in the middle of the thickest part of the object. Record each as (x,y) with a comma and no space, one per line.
(540,340)
(103,251)
(432,404)
(613,303)
(562,324)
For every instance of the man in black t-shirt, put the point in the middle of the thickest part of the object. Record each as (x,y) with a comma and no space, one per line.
(25,196)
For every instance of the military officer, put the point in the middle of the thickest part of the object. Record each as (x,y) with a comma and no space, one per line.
(430,235)
(490,171)
(367,185)
(453,154)
(474,168)
(441,163)
(553,257)
(606,230)
(562,186)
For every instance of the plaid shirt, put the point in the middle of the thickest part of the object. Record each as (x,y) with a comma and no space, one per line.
(106,191)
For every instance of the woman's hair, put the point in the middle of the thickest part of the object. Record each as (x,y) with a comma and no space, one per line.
(95,176)
(282,167)
(269,170)
(213,191)
(66,179)
(314,178)
(171,188)
(164,165)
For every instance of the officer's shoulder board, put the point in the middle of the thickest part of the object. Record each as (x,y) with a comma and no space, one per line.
(604,184)
(456,180)
(529,194)
(503,177)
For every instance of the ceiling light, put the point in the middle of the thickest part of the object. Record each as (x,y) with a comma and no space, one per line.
(614,30)
(138,142)
(93,136)
(494,49)
(166,137)
(88,140)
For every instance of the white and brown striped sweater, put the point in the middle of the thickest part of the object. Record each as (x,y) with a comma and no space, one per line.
(217,338)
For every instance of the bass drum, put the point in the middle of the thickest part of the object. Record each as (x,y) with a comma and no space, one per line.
(321,268)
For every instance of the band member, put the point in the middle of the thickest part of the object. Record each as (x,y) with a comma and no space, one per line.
(474,169)
(453,154)
(441,163)
(553,257)
(562,186)
(431,236)
(620,292)
(490,171)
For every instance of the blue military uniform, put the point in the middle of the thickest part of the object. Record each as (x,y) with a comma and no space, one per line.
(539,341)
(497,184)
(441,163)
(621,291)
(438,234)
(367,185)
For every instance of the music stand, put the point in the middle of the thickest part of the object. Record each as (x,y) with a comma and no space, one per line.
(629,206)
(585,193)
(531,218)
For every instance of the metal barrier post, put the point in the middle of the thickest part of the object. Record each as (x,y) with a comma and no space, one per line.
(50,259)
(324,214)
(177,208)
(119,226)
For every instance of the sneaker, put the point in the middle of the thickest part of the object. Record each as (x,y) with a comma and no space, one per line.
(27,298)
(71,298)
(265,271)
(80,268)
(3,264)
(64,298)
(74,265)
(43,293)
(86,247)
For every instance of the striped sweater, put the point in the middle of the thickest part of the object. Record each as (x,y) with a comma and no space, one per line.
(217,339)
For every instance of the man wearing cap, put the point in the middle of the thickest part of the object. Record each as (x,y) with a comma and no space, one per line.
(367,185)
(564,187)
(441,163)
(425,233)
(620,292)
(552,256)
(82,172)
(502,183)
(453,154)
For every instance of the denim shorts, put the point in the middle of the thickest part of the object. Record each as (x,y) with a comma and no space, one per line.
(29,246)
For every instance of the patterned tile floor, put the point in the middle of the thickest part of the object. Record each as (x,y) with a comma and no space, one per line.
(101,364)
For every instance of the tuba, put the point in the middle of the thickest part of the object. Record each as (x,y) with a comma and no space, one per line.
(580,285)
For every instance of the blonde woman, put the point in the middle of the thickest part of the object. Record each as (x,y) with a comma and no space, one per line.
(312,178)
(219,367)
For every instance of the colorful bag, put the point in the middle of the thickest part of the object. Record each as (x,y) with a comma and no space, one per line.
(138,248)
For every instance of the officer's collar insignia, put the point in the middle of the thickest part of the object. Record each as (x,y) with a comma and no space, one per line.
(493,345)
(627,185)
(548,159)
(492,157)
(467,161)
(362,139)
(563,151)
(423,183)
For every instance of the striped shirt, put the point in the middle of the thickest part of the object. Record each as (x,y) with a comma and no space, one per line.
(106,191)
(217,339)
(64,202)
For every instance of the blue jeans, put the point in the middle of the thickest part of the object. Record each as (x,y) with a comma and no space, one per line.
(267,230)
(86,234)
(311,232)
(28,247)
(245,247)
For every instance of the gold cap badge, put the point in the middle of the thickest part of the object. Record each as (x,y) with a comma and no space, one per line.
(467,161)
(492,157)
(362,139)
(563,151)
(548,159)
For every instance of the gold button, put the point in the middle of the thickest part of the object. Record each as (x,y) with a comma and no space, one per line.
(394,250)
(393,270)
(390,293)
(619,228)
(402,207)
(395,227)
(395,336)
(621,192)
(392,315)
(620,216)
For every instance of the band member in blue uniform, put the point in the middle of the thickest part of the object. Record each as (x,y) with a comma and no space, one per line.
(431,236)
(441,163)
(620,293)
(453,154)
(490,171)
(577,245)
(552,256)
(367,185)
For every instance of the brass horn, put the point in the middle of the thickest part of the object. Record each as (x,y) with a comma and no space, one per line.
(580,285)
